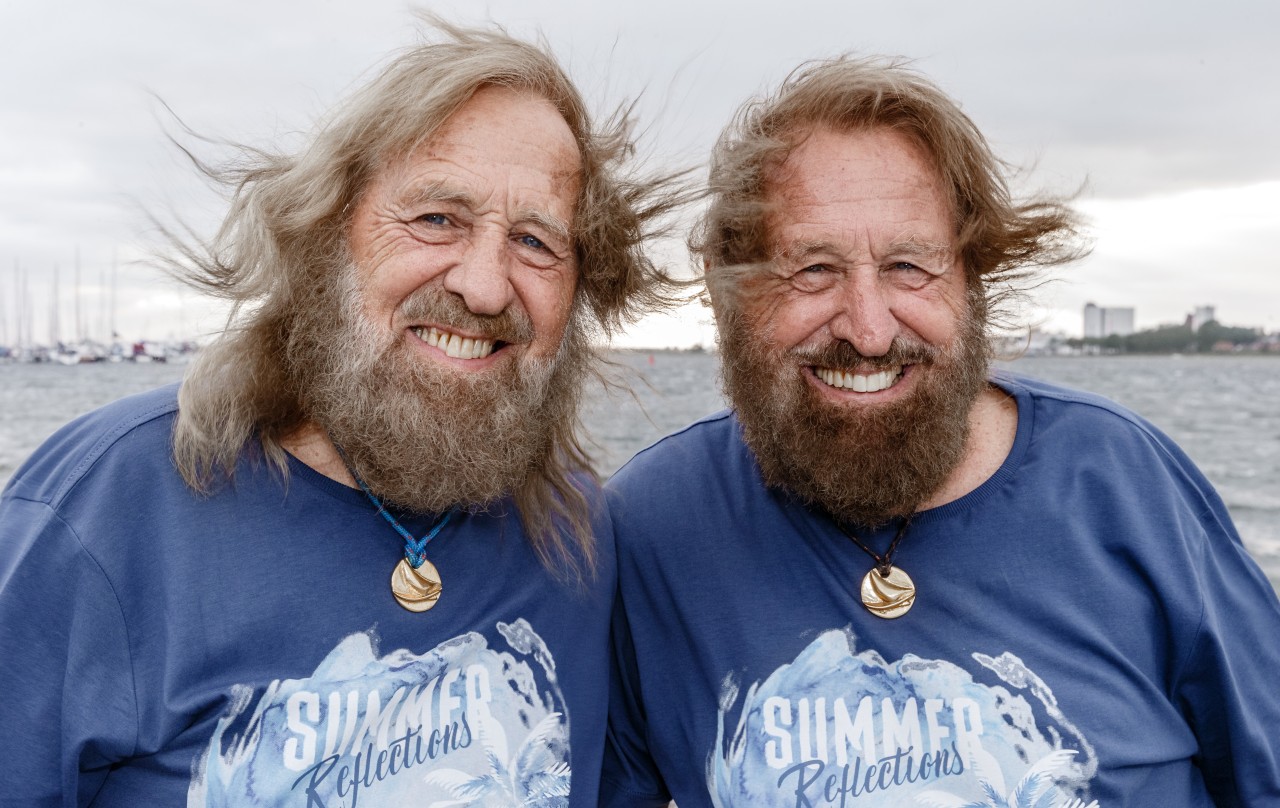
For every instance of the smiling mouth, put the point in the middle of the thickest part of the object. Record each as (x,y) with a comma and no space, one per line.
(859,382)
(453,345)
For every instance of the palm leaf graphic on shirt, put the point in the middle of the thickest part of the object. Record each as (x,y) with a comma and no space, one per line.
(1036,789)
(534,777)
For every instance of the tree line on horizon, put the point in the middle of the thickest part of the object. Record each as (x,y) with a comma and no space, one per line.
(1208,338)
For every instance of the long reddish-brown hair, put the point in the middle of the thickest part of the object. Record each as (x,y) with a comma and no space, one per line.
(1001,241)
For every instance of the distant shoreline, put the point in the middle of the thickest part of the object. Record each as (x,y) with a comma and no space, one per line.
(1002,358)
(1132,355)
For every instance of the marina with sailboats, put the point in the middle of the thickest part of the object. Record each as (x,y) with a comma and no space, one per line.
(35,327)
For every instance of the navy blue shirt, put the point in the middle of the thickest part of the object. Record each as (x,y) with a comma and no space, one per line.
(1088,630)
(161,648)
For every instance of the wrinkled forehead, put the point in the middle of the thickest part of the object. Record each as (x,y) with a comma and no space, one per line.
(854,174)
(505,145)
(791,155)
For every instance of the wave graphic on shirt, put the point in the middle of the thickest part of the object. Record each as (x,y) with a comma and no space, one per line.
(460,725)
(842,727)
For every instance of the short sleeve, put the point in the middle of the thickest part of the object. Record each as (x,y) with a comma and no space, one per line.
(1228,685)
(630,778)
(68,710)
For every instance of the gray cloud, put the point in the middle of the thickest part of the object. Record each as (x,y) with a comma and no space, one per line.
(1139,98)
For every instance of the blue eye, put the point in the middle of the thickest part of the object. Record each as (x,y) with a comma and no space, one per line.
(815,268)
(907,268)
(532,242)
(437,219)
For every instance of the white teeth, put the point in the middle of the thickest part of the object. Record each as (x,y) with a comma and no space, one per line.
(455,346)
(859,382)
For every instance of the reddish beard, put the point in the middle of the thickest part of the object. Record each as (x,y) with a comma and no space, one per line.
(862,464)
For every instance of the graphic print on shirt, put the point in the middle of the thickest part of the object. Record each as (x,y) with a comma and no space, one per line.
(839,727)
(462,724)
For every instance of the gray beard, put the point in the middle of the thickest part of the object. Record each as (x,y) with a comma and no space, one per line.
(864,466)
(428,438)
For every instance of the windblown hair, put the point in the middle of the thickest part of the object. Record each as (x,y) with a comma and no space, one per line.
(1000,240)
(285,236)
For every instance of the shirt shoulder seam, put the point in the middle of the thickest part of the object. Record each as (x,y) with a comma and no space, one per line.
(124,622)
(103,443)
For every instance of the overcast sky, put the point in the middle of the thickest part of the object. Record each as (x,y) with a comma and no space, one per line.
(1166,113)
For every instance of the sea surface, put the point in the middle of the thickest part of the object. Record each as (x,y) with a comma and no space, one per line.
(1224,411)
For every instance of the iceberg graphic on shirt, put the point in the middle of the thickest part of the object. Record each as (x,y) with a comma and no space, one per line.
(460,725)
(843,727)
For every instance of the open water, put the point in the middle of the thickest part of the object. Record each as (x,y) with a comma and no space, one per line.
(1224,411)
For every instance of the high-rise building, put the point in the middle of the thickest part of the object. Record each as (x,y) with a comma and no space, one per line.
(1092,321)
(1202,315)
(1102,322)
(1117,321)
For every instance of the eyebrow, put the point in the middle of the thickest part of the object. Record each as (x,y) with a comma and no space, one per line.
(910,246)
(922,247)
(546,221)
(434,192)
(803,249)
(437,192)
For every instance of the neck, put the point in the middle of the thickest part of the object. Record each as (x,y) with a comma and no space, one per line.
(993,424)
(311,445)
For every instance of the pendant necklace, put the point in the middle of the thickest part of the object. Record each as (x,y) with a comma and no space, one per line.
(415,582)
(887,591)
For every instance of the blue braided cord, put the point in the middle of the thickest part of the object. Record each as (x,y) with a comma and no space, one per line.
(414,549)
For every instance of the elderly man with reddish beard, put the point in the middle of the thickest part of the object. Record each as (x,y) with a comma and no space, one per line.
(888,576)
(354,559)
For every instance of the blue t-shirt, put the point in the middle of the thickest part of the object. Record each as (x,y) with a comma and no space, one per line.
(1088,631)
(159,648)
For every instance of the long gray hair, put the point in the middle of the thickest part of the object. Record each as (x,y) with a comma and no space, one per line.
(285,235)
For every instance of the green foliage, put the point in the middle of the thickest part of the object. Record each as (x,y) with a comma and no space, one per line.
(1213,332)
(1163,339)
(1167,339)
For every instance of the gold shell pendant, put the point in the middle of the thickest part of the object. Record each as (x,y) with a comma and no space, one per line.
(890,596)
(415,589)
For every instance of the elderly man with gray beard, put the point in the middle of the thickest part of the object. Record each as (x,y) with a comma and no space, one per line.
(358,557)
(890,577)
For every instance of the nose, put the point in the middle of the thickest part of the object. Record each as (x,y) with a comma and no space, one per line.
(865,317)
(482,276)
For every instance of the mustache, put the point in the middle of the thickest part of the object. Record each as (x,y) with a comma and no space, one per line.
(842,355)
(434,304)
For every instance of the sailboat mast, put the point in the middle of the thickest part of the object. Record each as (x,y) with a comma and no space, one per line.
(54,326)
